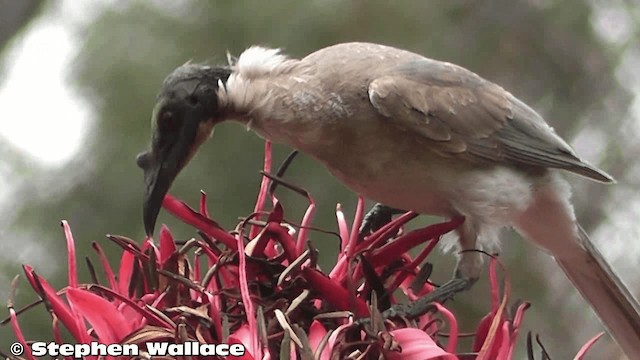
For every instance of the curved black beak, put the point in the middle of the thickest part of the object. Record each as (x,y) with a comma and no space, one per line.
(157,181)
(171,150)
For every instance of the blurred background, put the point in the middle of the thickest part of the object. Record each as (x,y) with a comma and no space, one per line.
(78,81)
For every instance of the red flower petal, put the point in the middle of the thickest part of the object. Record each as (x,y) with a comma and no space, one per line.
(242,336)
(301,243)
(108,323)
(130,313)
(394,249)
(417,345)
(494,338)
(126,271)
(355,228)
(495,291)
(57,336)
(333,338)
(214,312)
(250,312)
(277,214)
(484,326)
(58,306)
(183,212)
(339,271)
(213,257)
(143,311)
(583,350)
(514,328)
(505,344)
(167,245)
(30,275)
(71,255)
(481,332)
(203,204)
(264,186)
(108,272)
(413,266)
(317,332)
(386,231)
(285,239)
(343,227)
(18,332)
(334,294)
(453,327)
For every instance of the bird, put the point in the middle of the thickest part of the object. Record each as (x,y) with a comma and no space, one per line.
(408,132)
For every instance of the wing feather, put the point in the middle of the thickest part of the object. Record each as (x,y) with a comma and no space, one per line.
(463,115)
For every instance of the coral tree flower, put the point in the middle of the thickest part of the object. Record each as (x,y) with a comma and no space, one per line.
(259,285)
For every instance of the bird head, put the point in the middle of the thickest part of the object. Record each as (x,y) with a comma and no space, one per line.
(188,106)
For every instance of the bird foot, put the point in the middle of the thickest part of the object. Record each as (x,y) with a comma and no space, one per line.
(424,304)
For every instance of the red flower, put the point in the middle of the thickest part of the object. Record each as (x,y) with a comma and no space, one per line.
(262,289)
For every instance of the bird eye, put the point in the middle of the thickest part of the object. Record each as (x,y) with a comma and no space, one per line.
(167,121)
(193,100)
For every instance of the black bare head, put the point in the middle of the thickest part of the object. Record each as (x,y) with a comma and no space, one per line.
(187,108)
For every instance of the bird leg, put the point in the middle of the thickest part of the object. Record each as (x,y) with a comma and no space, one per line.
(469,264)
(466,274)
(377,217)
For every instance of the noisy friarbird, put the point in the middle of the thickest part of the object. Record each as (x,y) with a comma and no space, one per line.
(406,131)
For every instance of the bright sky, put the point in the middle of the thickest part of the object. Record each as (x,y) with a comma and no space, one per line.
(40,114)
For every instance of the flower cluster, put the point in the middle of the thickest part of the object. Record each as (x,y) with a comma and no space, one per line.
(259,285)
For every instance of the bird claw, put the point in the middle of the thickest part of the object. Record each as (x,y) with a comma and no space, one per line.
(424,304)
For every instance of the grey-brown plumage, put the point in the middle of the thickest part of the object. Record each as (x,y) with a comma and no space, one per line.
(463,115)
(410,132)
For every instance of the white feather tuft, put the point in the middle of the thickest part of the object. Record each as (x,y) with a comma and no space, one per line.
(257,61)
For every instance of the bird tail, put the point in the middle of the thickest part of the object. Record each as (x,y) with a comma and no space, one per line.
(602,288)
(549,221)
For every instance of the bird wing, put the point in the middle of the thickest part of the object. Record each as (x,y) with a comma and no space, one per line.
(462,115)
